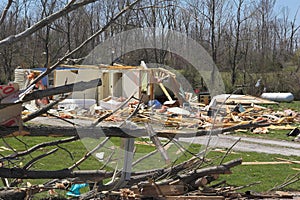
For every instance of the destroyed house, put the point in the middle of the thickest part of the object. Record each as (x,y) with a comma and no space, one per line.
(117,81)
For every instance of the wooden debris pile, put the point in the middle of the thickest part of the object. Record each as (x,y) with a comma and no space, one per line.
(194,120)
(198,118)
(132,118)
(184,180)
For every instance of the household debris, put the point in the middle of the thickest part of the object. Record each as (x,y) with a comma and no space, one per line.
(11,115)
(172,115)
(173,119)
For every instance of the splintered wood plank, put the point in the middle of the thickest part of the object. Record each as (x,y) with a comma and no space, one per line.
(290,161)
(283,127)
(266,163)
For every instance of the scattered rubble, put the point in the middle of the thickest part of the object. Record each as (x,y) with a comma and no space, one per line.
(172,120)
(138,115)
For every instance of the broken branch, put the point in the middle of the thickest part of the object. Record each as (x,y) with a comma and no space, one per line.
(38,146)
(43,110)
(5,10)
(113,131)
(49,70)
(100,119)
(80,86)
(64,173)
(44,22)
(87,155)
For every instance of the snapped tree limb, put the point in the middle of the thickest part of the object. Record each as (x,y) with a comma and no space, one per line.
(38,94)
(92,175)
(38,146)
(5,10)
(43,110)
(80,86)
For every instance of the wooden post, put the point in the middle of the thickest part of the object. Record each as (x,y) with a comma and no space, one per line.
(151,86)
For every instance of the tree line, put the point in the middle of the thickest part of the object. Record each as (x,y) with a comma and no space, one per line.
(243,37)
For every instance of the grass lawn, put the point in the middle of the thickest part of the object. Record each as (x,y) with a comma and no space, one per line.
(272,134)
(294,105)
(269,175)
(67,154)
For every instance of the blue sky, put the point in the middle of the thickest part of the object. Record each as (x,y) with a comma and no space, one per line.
(293,5)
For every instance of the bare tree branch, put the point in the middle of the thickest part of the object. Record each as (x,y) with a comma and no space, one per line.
(219,169)
(80,86)
(49,70)
(38,94)
(229,149)
(291,180)
(94,175)
(156,141)
(100,119)
(148,155)
(113,131)
(87,155)
(38,146)
(31,162)
(44,22)
(43,110)
(4,12)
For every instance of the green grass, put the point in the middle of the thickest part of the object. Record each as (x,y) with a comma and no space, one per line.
(61,158)
(269,175)
(272,134)
(294,105)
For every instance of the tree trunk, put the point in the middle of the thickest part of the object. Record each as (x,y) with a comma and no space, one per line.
(14,194)
(84,175)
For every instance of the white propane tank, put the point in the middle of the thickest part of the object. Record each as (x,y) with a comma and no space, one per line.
(278,96)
